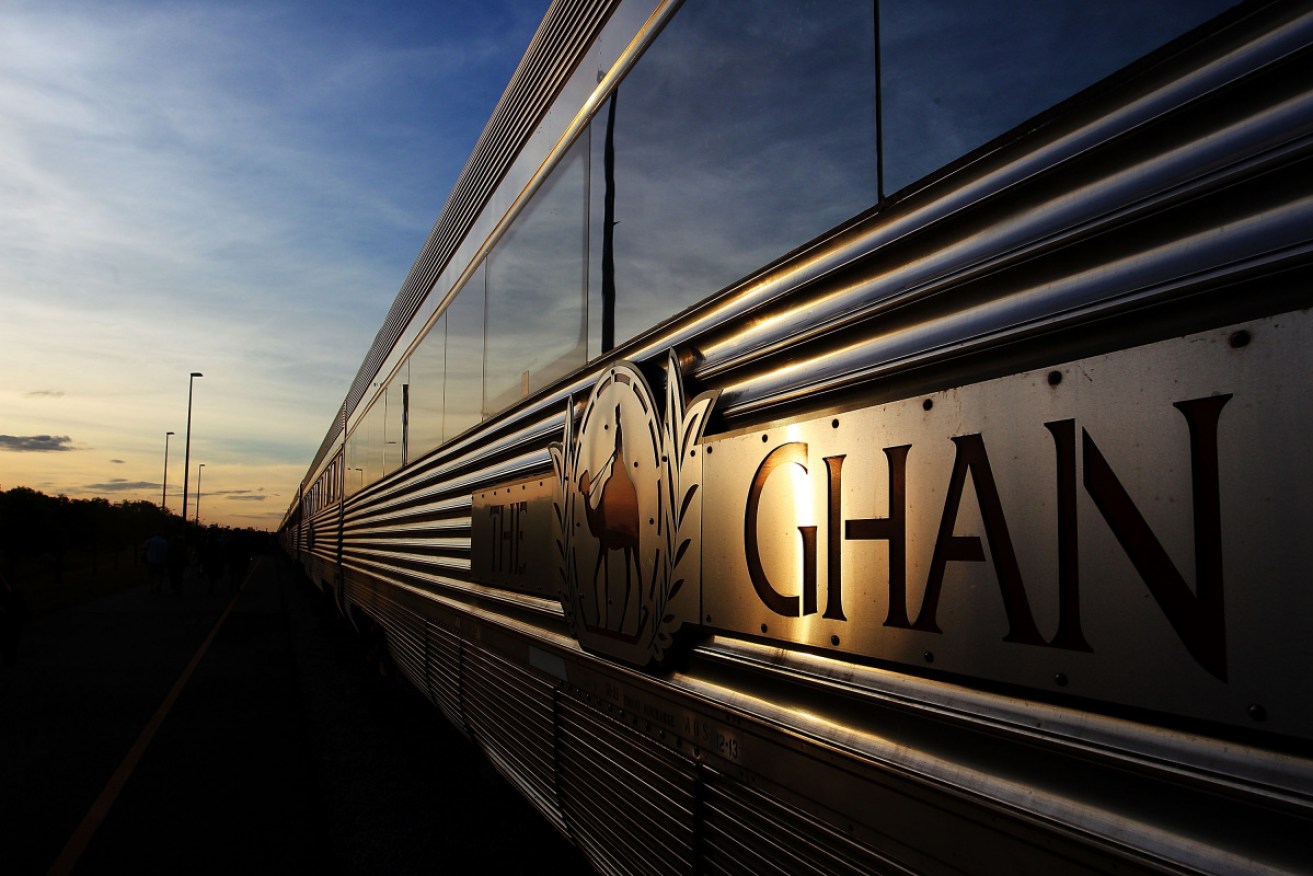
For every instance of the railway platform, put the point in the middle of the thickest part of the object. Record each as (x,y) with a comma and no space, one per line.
(239,731)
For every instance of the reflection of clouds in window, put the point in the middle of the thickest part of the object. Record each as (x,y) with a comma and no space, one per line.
(463,387)
(745,130)
(958,73)
(536,303)
(427,373)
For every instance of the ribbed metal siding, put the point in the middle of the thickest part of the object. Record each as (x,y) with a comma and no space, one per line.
(511,714)
(415,525)
(406,640)
(629,803)
(444,673)
(748,833)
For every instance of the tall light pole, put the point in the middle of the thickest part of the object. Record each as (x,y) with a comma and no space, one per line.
(164,494)
(186,459)
(200,469)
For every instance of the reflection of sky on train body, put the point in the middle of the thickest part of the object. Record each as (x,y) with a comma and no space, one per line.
(733,144)
(535,290)
(958,73)
(463,386)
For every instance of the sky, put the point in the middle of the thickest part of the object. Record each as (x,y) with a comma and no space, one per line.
(235,188)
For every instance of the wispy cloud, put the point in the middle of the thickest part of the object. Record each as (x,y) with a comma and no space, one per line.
(35,443)
(119,485)
(119,461)
(250,215)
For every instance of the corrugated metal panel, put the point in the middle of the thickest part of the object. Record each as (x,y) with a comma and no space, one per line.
(444,673)
(511,713)
(629,803)
(405,640)
(745,832)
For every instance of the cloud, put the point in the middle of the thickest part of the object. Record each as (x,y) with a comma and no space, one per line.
(35,443)
(119,485)
(248,498)
(118,461)
(46,393)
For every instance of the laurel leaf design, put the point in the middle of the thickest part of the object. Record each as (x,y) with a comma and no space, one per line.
(688,500)
(679,554)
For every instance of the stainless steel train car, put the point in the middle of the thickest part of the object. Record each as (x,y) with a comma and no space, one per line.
(863,437)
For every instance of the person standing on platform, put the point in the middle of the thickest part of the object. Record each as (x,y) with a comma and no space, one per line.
(156,551)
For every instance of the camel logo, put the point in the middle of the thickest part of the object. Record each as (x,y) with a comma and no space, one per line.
(627,513)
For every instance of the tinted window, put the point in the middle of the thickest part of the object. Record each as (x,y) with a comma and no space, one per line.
(745,130)
(427,375)
(537,304)
(957,73)
(463,388)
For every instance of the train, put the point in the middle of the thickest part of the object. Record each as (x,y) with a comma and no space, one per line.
(862,436)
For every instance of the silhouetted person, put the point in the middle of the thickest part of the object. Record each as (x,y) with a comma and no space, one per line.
(13,612)
(212,561)
(177,563)
(156,554)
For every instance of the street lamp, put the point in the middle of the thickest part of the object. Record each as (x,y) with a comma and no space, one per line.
(200,469)
(164,494)
(186,459)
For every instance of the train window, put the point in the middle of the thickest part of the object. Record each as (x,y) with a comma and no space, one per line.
(463,386)
(536,300)
(392,439)
(957,73)
(427,372)
(746,129)
(371,432)
(355,460)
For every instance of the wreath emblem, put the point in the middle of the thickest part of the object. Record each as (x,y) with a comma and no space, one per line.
(627,511)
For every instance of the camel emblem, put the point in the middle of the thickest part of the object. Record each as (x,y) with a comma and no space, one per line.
(628,512)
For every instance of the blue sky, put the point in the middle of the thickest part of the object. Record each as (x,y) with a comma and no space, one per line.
(235,188)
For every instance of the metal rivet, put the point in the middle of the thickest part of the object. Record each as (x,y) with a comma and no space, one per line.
(834,424)
(763,628)
(1257,712)
(1055,377)
(834,640)
(929,656)
(927,405)
(1060,680)
(708,618)
(1240,339)
(709,449)
(765,438)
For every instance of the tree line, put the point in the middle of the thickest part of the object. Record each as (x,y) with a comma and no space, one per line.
(48,537)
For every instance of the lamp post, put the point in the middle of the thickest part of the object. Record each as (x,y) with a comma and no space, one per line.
(200,469)
(186,459)
(164,493)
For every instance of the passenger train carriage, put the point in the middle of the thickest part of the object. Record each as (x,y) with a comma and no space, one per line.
(862,437)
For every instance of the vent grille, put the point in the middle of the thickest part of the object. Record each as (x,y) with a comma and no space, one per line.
(629,803)
(444,678)
(745,832)
(405,639)
(511,714)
